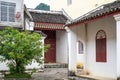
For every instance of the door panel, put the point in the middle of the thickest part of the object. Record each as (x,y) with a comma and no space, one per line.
(50,55)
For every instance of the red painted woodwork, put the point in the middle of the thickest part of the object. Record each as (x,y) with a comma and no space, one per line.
(37,28)
(48,26)
(50,56)
(57,24)
(101,47)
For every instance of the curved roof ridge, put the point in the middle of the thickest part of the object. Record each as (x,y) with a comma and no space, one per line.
(48,12)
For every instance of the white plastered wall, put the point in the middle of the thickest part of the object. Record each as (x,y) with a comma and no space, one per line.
(4,67)
(29,25)
(61,47)
(72,39)
(117,18)
(86,34)
(104,69)
(80,31)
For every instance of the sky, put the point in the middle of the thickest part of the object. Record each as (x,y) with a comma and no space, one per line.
(34,3)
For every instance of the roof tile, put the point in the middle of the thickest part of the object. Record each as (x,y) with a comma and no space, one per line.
(48,16)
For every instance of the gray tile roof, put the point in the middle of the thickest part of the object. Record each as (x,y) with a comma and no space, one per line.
(56,17)
(100,11)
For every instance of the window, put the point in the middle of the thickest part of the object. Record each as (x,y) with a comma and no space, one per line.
(80,47)
(69,2)
(101,46)
(7,11)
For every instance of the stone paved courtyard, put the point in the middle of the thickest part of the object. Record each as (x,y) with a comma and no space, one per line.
(51,74)
(54,74)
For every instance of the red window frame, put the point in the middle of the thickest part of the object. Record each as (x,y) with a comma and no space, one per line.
(101,55)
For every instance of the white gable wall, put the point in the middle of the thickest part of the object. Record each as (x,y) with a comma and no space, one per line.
(106,69)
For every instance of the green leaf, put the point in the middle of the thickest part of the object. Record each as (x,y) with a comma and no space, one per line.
(21,47)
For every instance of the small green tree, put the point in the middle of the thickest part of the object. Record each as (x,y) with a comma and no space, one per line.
(20,48)
(43,6)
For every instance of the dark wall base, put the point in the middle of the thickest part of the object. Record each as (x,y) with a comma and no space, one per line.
(118,78)
(71,73)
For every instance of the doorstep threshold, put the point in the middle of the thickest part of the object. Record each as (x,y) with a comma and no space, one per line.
(95,77)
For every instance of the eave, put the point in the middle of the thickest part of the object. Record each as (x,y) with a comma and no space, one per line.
(48,26)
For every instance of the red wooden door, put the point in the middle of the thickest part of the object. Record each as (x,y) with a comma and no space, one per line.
(50,55)
(101,55)
(101,50)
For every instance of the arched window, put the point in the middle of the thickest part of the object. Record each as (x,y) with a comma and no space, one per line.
(80,47)
(101,46)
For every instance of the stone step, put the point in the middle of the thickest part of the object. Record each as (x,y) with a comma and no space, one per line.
(94,77)
(79,78)
(88,77)
(55,65)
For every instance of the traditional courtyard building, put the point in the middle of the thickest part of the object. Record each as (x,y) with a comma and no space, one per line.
(89,43)
(52,23)
(94,42)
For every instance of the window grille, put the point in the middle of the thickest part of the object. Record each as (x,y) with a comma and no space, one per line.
(7,11)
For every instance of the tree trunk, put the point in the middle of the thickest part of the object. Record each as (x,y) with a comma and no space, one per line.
(19,67)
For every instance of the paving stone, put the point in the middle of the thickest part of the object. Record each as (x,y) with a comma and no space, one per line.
(51,74)
(78,78)
(55,74)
